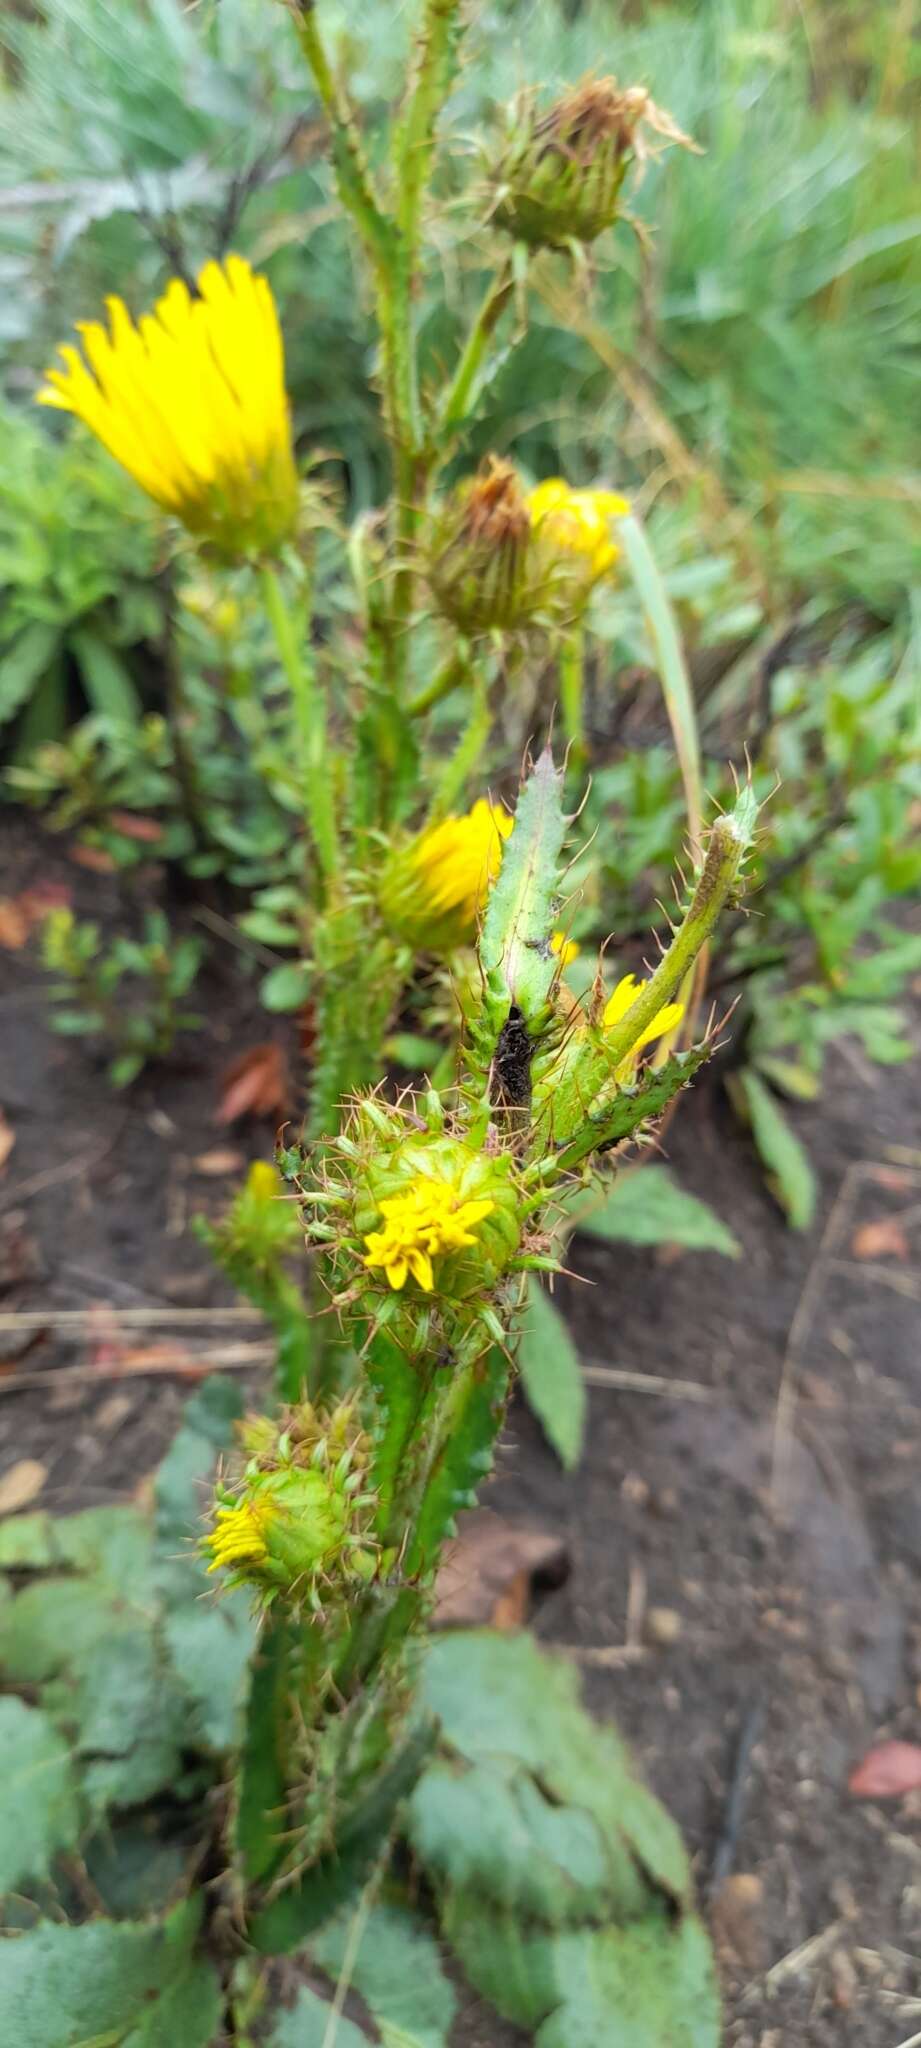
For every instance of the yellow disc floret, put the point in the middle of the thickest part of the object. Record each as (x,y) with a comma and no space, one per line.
(429,1219)
(191,401)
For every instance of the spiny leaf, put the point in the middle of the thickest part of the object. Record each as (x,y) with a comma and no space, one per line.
(518,926)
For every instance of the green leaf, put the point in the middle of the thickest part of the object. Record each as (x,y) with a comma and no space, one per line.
(647,1206)
(551,1374)
(789,1174)
(499,1698)
(563,1883)
(23,664)
(670,662)
(287,987)
(649,1984)
(106,676)
(306,2025)
(397,1971)
(209,1641)
(39,1805)
(111,1983)
(521,911)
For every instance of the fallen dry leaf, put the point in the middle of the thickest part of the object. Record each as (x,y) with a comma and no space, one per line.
(132,825)
(7,1139)
(492,1570)
(95,858)
(222,1159)
(892,1177)
(21,1484)
(882,1239)
(256,1084)
(20,914)
(887,1771)
(737,1921)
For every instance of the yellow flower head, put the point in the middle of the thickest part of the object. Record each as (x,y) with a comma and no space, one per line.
(191,401)
(434,889)
(565,949)
(577,523)
(429,1219)
(621,1002)
(238,1536)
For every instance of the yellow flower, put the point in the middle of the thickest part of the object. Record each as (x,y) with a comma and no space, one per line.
(192,403)
(428,1220)
(434,888)
(577,523)
(566,949)
(619,1005)
(238,1536)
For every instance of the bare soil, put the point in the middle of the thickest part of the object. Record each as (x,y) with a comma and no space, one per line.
(744,1595)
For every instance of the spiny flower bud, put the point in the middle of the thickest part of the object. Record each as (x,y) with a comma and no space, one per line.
(479,559)
(433,887)
(559,176)
(298,1520)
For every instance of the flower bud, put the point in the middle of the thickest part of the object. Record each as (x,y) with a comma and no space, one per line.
(479,559)
(559,177)
(298,1520)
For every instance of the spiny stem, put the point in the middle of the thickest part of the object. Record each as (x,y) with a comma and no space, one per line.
(353,177)
(729,842)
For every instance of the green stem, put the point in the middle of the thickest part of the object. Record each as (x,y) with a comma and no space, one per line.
(460,765)
(461,394)
(572,682)
(309,723)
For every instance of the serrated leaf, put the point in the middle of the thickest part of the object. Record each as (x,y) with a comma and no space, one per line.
(124,1985)
(500,1697)
(551,1374)
(520,914)
(648,1207)
(789,1174)
(397,1971)
(649,1984)
(39,1803)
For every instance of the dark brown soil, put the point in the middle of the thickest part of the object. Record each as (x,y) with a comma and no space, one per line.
(772,1510)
